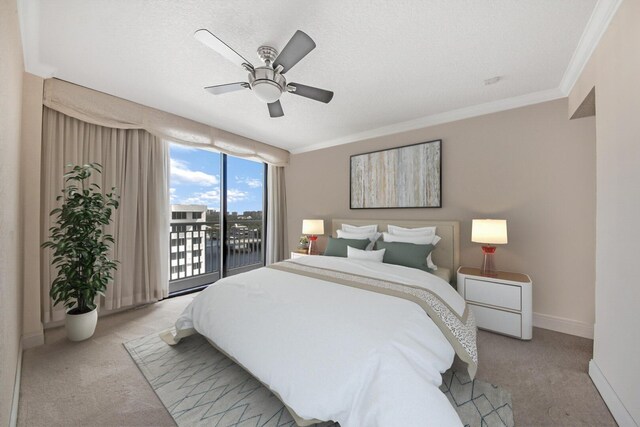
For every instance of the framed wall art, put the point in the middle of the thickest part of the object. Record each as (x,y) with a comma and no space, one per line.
(401,177)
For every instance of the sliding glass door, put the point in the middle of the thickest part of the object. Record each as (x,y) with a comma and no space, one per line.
(217,216)
(244,215)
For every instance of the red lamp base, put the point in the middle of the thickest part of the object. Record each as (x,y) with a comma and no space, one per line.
(312,245)
(488,266)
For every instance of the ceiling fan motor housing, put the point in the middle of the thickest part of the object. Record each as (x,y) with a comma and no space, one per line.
(267,84)
(267,54)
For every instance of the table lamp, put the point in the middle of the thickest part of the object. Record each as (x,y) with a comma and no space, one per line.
(489,232)
(312,228)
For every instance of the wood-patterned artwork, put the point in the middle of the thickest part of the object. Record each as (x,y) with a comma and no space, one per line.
(403,177)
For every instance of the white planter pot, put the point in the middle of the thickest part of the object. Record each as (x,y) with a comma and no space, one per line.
(81,326)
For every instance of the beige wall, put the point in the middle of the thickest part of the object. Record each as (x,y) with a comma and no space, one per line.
(614,70)
(30,187)
(11,69)
(530,165)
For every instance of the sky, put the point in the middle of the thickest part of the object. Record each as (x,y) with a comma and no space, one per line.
(195,180)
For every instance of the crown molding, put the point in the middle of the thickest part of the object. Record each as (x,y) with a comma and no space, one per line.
(440,118)
(598,23)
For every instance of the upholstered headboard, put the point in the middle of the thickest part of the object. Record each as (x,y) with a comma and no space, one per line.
(447,252)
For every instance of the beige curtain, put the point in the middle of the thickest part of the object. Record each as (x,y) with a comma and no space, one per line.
(137,164)
(106,110)
(276,215)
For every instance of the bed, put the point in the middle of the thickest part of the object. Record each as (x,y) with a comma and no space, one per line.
(336,339)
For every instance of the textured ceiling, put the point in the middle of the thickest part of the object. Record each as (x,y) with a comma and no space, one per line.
(387,62)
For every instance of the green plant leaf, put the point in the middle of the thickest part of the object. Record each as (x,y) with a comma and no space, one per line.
(79,244)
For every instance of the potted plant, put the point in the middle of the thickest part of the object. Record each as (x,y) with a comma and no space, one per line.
(303,244)
(80,249)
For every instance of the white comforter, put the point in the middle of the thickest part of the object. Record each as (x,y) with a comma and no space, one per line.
(333,352)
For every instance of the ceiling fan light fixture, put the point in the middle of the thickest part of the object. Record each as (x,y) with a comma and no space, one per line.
(266,90)
(267,84)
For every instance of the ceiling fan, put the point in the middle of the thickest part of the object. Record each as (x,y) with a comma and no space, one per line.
(268,81)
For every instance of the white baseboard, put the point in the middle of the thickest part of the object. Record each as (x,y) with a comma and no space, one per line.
(617,408)
(27,341)
(561,324)
(32,340)
(13,415)
(102,312)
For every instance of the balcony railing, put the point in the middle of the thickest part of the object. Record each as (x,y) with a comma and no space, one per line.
(195,249)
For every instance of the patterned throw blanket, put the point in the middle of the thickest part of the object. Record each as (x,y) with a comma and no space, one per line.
(460,331)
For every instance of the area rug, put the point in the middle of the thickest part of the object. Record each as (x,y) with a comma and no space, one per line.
(200,386)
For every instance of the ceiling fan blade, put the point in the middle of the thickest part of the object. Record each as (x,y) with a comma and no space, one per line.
(229,87)
(311,92)
(211,41)
(296,49)
(275,109)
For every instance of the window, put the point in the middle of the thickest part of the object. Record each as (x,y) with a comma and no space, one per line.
(244,214)
(223,190)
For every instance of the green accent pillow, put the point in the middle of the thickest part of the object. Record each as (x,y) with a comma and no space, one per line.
(338,247)
(407,254)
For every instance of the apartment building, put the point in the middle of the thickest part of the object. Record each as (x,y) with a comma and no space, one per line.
(187,242)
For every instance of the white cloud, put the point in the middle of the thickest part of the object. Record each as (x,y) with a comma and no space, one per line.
(235,195)
(251,182)
(212,198)
(208,198)
(180,172)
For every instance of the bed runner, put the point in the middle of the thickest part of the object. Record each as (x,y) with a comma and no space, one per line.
(460,331)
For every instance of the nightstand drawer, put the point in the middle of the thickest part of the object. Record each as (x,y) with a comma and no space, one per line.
(500,321)
(493,293)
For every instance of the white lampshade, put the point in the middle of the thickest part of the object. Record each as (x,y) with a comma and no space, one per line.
(313,227)
(490,231)
(266,91)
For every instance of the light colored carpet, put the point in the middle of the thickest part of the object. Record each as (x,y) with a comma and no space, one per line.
(95,382)
(200,386)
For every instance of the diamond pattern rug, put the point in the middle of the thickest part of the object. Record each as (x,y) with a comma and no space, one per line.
(200,386)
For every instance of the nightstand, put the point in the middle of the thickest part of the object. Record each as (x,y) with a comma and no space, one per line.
(295,255)
(501,303)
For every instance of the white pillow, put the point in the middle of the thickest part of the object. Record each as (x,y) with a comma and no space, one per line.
(362,229)
(371,235)
(418,240)
(376,256)
(430,263)
(401,231)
